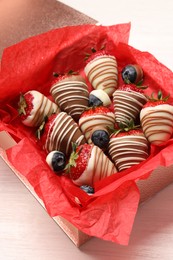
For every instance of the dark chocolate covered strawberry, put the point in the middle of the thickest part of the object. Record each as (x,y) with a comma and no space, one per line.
(101,71)
(128,100)
(34,107)
(71,94)
(88,164)
(128,146)
(156,119)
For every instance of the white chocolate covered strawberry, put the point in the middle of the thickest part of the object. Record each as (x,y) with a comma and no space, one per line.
(88,164)
(34,107)
(101,71)
(156,119)
(95,117)
(70,93)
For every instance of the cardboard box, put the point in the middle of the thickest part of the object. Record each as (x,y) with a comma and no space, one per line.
(78,237)
(158,180)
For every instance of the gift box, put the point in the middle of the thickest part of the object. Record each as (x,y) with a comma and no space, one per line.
(110,212)
(77,236)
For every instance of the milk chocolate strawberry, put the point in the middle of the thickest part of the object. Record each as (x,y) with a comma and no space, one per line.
(128,146)
(59,132)
(156,119)
(70,93)
(88,164)
(128,100)
(101,71)
(34,107)
(95,117)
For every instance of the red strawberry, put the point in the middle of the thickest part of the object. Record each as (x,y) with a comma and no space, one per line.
(59,132)
(34,107)
(95,117)
(131,87)
(70,93)
(156,119)
(128,100)
(95,53)
(101,71)
(88,164)
(128,146)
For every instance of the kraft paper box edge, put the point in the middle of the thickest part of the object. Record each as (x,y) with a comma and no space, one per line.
(77,236)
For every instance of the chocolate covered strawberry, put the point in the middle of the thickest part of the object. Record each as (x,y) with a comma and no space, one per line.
(33,107)
(101,71)
(59,132)
(128,146)
(128,100)
(156,119)
(95,117)
(70,93)
(88,164)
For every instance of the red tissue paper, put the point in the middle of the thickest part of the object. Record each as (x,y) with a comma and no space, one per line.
(110,212)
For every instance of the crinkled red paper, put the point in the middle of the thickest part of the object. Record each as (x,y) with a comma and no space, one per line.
(109,213)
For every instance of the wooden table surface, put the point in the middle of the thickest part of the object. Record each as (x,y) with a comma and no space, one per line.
(26,230)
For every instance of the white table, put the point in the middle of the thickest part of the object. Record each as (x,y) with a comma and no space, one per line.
(28,233)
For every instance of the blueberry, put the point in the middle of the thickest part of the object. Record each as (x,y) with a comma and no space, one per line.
(132,73)
(100,138)
(94,101)
(88,189)
(56,160)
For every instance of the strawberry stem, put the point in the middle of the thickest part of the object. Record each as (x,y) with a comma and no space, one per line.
(159,97)
(55,74)
(70,72)
(139,85)
(73,157)
(22,105)
(40,130)
(93,50)
(125,127)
